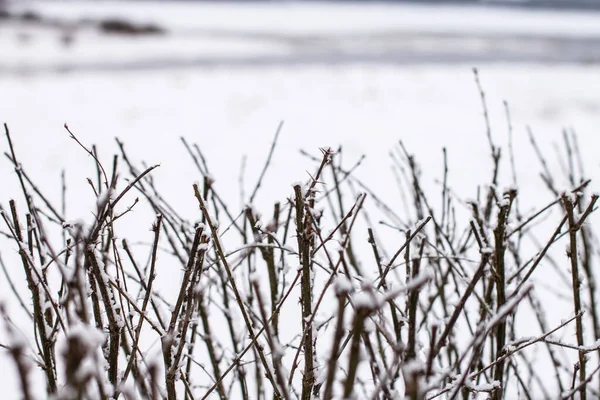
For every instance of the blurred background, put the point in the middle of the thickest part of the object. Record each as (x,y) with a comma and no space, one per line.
(359,74)
(362,75)
(53,36)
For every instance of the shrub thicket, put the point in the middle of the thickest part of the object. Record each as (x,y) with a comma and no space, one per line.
(307,302)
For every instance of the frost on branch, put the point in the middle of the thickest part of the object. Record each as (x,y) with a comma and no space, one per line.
(82,359)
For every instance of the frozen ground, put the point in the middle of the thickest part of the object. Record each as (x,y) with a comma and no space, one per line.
(227,74)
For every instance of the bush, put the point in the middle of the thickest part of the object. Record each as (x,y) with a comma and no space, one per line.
(439,316)
(123,27)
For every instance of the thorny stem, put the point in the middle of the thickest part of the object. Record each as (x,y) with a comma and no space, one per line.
(337,339)
(574,227)
(304,234)
(357,328)
(500,270)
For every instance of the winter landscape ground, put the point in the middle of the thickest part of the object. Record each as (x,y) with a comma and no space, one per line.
(360,76)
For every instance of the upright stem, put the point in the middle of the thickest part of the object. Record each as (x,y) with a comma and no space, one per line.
(304,234)
(574,227)
(499,252)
